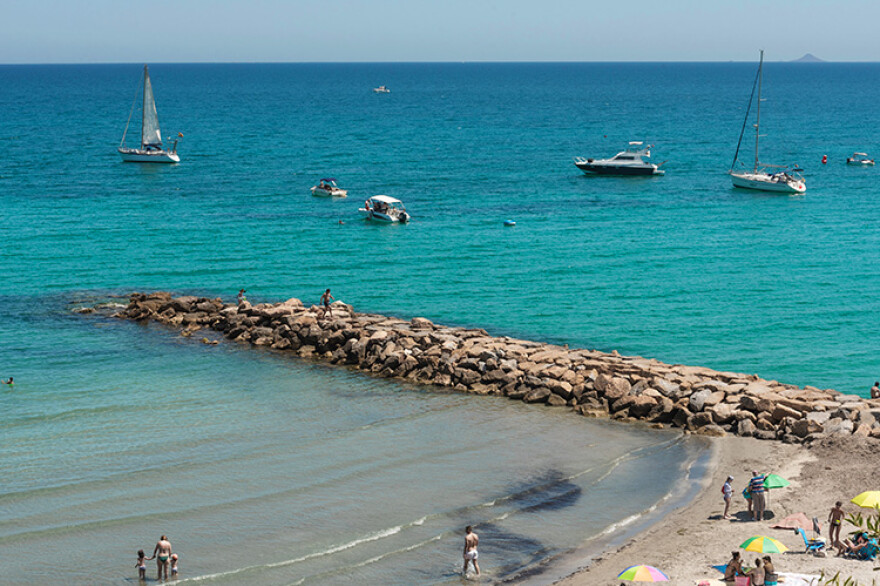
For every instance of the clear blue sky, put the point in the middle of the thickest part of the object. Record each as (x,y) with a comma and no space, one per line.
(102,31)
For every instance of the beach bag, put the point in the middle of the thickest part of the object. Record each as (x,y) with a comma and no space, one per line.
(742,581)
(746,494)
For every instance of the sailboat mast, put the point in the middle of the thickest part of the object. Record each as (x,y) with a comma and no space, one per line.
(144,105)
(758,118)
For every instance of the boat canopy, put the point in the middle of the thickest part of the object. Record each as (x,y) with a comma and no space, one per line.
(860,154)
(385,199)
(635,143)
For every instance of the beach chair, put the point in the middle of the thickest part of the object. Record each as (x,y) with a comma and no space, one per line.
(812,545)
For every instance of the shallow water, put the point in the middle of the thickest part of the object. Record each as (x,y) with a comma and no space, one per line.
(264,469)
(270,470)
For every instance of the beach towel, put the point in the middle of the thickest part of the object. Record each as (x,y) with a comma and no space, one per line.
(792,579)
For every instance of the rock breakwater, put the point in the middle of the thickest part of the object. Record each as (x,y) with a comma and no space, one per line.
(592,383)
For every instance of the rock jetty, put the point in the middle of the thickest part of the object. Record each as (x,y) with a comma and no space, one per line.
(591,383)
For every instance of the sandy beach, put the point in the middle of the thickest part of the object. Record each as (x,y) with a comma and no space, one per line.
(691,539)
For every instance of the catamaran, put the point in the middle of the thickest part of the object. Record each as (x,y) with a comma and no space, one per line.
(151,150)
(763,177)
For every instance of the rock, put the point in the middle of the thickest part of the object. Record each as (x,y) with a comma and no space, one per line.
(804,427)
(746,428)
(556,401)
(782,411)
(420,323)
(863,430)
(819,417)
(712,430)
(539,395)
(616,388)
(838,426)
(698,399)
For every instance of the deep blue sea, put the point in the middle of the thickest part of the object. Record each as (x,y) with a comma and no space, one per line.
(268,470)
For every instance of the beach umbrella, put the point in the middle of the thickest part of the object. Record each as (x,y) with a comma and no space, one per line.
(774,481)
(763,544)
(643,574)
(868,500)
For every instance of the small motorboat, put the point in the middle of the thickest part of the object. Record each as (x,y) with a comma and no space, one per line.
(859,159)
(381,90)
(327,188)
(383,208)
(628,162)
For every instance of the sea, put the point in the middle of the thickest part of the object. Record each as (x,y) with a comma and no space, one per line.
(266,469)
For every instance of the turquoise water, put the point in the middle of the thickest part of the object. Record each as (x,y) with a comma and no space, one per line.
(115,433)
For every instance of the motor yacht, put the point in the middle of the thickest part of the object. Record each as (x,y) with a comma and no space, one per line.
(628,162)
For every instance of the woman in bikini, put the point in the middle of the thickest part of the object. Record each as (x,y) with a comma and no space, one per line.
(162,553)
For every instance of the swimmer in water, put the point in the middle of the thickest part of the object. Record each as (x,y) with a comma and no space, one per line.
(8,382)
(173,565)
(471,540)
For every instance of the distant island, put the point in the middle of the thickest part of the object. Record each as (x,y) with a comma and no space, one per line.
(809,58)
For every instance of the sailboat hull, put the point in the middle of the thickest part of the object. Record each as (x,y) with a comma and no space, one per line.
(765,182)
(142,156)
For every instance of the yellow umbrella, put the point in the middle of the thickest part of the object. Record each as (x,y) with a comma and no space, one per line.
(868,500)
(763,544)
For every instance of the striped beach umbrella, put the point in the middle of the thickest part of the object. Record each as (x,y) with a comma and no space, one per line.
(868,500)
(643,574)
(763,544)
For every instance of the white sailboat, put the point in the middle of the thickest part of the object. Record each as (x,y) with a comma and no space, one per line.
(151,150)
(763,177)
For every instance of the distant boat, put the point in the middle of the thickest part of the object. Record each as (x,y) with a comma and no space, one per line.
(627,162)
(860,159)
(328,187)
(381,90)
(385,209)
(150,150)
(782,179)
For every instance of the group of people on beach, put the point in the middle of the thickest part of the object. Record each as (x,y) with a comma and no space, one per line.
(753,493)
(165,560)
(763,574)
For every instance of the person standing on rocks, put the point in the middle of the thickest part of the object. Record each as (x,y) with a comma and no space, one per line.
(325,300)
(875,391)
(241,296)
(756,488)
(835,521)
(471,541)
(727,492)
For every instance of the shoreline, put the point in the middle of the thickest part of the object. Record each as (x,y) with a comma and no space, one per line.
(816,431)
(688,540)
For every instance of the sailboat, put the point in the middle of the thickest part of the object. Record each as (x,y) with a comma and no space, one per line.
(151,150)
(763,177)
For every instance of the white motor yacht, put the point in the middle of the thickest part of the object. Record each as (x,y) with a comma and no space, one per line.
(762,177)
(381,90)
(628,162)
(150,150)
(383,208)
(327,188)
(860,159)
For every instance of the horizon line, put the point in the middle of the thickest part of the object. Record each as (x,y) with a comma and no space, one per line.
(486,62)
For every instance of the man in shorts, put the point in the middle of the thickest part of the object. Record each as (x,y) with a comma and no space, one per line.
(471,540)
(756,487)
(325,301)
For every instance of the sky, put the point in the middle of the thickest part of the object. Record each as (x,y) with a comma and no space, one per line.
(125,31)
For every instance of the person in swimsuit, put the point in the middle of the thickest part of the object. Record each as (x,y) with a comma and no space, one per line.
(141,564)
(8,382)
(241,296)
(173,565)
(727,493)
(471,541)
(325,300)
(835,520)
(734,567)
(875,390)
(162,553)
